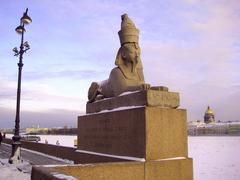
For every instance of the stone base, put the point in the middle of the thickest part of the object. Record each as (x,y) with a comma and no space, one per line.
(175,169)
(140,98)
(81,157)
(16,153)
(146,132)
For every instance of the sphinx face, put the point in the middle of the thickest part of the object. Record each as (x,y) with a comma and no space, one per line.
(131,54)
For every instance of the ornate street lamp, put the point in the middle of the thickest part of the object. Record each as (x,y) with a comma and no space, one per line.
(16,144)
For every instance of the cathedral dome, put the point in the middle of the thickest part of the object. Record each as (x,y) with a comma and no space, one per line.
(209,111)
(209,116)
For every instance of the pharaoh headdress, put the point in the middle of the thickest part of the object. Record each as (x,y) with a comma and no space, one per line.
(128,34)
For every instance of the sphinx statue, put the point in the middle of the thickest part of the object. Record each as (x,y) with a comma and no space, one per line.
(128,75)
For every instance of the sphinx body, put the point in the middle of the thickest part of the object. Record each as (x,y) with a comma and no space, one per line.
(128,75)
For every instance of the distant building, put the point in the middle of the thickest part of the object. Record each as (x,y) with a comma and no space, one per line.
(209,116)
(211,127)
(36,130)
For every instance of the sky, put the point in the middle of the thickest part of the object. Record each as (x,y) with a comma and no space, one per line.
(190,46)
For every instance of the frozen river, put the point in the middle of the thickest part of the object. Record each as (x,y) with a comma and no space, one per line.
(214,157)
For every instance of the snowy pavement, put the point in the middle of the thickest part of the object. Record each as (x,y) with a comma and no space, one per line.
(12,172)
(33,157)
(23,170)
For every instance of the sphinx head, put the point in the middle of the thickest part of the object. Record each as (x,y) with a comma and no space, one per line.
(129,56)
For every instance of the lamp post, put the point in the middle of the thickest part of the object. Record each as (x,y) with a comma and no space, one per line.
(24,46)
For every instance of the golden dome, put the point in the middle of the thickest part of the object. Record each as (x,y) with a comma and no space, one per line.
(209,111)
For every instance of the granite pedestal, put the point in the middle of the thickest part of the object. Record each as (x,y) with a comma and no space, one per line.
(140,98)
(144,132)
(153,134)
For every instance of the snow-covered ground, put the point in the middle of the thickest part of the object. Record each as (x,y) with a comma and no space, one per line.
(214,157)
(64,140)
(11,171)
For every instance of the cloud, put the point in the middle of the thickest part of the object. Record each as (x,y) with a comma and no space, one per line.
(71,74)
(204,69)
(227,108)
(40,105)
(50,118)
(38,97)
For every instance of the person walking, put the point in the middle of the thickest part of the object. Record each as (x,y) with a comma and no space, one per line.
(1,138)
(57,143)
